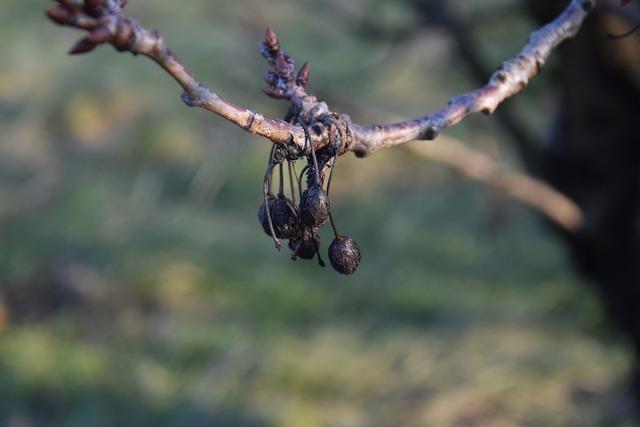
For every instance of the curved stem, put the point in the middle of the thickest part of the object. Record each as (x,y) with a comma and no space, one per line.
(510,79)
(281,185)
(266,189)
(304,170)
(313,152)
(291,184)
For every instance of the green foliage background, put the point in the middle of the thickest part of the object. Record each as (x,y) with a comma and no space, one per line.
(141,290)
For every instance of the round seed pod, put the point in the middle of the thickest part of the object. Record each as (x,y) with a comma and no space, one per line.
(344,255)
(262,214)
(284,216)
(314,207)
(306,245)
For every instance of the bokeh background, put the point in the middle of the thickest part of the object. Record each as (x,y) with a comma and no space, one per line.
(137,287)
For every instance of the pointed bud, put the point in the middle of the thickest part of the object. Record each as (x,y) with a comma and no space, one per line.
(93,5)
(70,5)
(271,78)
(82,46)
(284,67)
(271,40)
(59,15)
(99,35)
(274,93)
(303,75)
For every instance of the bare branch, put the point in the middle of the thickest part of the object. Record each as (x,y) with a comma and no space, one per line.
(509,80)
(107,24)
(524,188)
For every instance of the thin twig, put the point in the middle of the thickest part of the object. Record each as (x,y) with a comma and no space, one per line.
(509,80)
(524,188)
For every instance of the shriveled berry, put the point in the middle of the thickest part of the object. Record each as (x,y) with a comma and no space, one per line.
(262,213)
(314,207)
(306,245)
(344,255)
(284,216)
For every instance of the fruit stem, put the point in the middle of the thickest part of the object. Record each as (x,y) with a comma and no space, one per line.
(293,189)
(313,152)
(266,189)
(304,170)
(281,185)
(320,261)
(333,225)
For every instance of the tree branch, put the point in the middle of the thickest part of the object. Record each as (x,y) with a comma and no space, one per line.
(106,23)
(509,80)
(524,188)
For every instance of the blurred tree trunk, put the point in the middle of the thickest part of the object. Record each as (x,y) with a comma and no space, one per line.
(592,154)
(594,158)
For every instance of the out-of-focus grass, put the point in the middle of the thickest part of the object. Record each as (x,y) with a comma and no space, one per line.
(144,292)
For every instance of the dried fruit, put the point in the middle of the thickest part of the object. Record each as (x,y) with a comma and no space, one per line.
(284,216)
(344,255)
(314,207)
(307,245)
(263,213)
(279,216)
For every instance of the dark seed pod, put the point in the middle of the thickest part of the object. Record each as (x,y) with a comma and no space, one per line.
(344,255)
(262,214)
(284,216)
(314,207)
(307,245)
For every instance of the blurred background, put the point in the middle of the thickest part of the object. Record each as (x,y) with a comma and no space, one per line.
(137,287)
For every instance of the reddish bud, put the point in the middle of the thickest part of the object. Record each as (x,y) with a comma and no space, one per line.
(271,78)
(99,35)
(70,5)
(284,67)
(274,93)
(271,40)
(93,5)
(82,46)
(59,15)
(303,75)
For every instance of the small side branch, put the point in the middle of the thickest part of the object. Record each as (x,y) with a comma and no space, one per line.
(557,207)
(509,80)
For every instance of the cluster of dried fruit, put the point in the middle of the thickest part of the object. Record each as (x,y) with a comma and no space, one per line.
(282,218)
